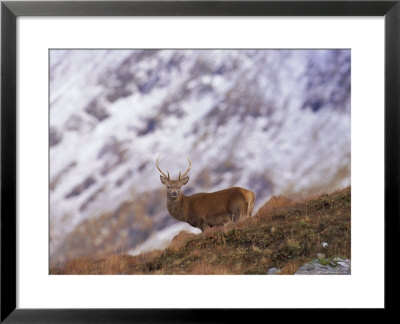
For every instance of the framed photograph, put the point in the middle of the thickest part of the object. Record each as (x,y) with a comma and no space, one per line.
(161,158)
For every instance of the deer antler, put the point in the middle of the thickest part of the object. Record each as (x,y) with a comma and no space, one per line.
(186,172)
(167,176)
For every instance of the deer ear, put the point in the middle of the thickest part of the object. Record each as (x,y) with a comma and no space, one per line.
(163,179)
(184,181)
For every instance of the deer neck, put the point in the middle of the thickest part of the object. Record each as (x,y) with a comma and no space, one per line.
(175,208)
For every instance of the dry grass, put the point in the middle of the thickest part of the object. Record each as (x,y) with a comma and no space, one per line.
(274,203)
(179,240)
(283,234)
(206,269)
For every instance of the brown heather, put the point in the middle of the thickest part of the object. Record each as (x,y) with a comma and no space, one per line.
(283,234)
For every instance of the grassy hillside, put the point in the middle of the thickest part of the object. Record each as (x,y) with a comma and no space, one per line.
(283,234)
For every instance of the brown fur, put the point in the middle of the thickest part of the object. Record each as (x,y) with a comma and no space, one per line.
(212,209)
(206,209)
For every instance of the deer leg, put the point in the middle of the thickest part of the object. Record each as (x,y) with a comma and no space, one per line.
(236,207)
(235,214)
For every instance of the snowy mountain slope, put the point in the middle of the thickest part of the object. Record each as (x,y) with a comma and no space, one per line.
(273,121)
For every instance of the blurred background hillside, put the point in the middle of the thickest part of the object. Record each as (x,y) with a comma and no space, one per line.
(273,121)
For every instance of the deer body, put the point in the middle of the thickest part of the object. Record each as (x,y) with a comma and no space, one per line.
(206,209)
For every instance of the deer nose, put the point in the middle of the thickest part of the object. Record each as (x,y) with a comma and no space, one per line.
(174,194)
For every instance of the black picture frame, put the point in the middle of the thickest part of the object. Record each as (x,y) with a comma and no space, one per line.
(10,10)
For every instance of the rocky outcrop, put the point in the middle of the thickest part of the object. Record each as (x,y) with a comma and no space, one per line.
(323,266)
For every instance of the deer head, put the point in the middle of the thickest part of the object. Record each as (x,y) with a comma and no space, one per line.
(174,186)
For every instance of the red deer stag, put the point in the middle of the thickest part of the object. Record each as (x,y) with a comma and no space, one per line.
(206,209)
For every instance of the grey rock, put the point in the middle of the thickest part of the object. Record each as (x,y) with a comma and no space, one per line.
(331,266)
(273,271)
